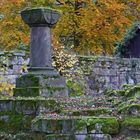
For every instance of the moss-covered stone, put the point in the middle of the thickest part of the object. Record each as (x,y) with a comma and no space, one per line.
(28,106)
(132,109)
(68,125)
(88,112)
(131,123)
(15,123)
(110,125)
(26,92)
(38,91)
(28,80)
(51,105)
(31,85)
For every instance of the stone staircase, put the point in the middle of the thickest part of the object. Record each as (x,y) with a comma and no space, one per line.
(69,118)
(60,118)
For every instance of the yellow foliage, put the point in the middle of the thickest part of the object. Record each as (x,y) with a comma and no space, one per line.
(94,25)
(64,61)
(6,89)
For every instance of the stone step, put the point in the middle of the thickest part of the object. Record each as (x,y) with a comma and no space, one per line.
(42,136)
(31,80)
(78,103)
(32,105)
(59,105)
(79,137)
(87,112)
(96,103)
(28,106)
(74,125)
(38,91)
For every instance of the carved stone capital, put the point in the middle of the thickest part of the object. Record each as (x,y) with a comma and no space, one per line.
(40,17)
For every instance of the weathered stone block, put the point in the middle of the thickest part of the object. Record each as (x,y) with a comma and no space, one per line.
(40,85)
(6,105)
(48,126)
(110,125)
(75,126)
(37,91)
(26,107)
(131,123)
(27,92)
(27,81)
(81,137)
(15,123)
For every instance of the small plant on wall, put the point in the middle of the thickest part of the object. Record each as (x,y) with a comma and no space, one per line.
(6,89)
(66,63)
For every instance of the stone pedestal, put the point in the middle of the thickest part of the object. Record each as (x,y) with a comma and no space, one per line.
(32,85)
(42,79)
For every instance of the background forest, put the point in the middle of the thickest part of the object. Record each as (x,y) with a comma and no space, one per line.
(86,27)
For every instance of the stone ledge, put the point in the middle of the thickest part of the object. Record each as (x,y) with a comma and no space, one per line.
(74,125)
(43,136)
(38,91)
(88,112)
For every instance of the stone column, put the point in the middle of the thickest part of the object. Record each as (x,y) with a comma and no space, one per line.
(42,79)
(40,20)
(40,48)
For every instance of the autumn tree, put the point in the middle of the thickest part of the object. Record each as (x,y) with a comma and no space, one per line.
(98,25)
(12,29)
(85,27)
(133,8)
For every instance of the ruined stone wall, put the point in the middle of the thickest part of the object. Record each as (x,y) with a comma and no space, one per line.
(99,72)
(108,72)
(12,64)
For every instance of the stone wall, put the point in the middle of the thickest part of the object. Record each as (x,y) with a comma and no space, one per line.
(12,64)
(108,72)
(99,72)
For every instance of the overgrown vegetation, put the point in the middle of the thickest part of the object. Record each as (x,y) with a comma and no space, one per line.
(66,64)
